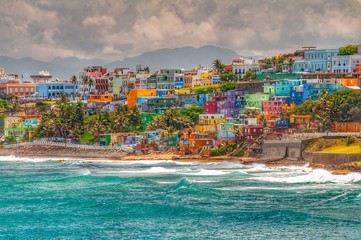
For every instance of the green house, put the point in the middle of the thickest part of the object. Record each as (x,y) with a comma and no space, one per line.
(105,139)
(255,100)
(159,105)
(278,76)
(269,88)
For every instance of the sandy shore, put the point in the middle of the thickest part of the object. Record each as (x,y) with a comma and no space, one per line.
(56,152)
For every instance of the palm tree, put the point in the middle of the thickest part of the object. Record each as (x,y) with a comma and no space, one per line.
(289,64)
(218,66)
(85,83)
(90,83)
(74,81)
(274,62)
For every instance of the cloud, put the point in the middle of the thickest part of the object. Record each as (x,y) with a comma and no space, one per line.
(117,29)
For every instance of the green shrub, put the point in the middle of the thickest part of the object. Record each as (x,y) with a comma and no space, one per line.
(218,152)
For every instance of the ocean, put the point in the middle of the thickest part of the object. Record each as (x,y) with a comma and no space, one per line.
(48,199)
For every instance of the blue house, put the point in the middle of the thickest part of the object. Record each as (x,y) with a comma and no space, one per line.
(300,93)
(315,60)
(216,80)
(162,93)
(202,98)
(179,81)
(55,89)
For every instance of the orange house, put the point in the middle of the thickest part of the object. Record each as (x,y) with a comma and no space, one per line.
(135,93)
(347,126)
(101,98)
(196,145)
(288,108)
(349,82)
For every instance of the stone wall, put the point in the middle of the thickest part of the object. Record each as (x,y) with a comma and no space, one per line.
(251,87)
(331,158)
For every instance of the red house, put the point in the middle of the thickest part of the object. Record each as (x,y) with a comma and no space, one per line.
(210,107)
(252,133)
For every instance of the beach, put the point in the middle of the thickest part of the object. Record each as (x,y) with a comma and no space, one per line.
(66,153)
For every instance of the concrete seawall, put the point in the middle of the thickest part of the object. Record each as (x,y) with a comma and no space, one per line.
(331,158)
(279,149)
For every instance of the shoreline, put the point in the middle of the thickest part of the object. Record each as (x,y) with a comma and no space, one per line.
(70,154)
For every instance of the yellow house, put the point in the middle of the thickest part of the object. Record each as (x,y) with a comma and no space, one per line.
(300,119)
(182,91)
(206,79)
(196,82)
(212,120)
(13,121)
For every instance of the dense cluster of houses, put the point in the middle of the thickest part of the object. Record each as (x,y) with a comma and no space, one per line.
(227,115)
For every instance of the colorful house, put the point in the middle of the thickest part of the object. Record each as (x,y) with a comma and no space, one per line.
(272,107)
(159,105)
(301,121)
(210,107)
(135,93)
(283,87)
(269,88)
(211,119)
(300,93)
(347,126)
(252,133)
(255,100)
(197,145)
(106,98)
(316,89)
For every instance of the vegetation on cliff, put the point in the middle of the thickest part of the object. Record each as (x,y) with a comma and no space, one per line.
(348,145)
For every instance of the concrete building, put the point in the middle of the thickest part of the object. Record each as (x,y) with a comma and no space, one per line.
(166,78)
(315,60)
(345,63)
(241,66)
(42,77)
(55,89)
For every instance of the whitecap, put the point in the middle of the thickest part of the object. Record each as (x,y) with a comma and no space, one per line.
(314,176)
(206,172)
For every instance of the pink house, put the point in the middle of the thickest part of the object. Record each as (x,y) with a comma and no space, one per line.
(273,107)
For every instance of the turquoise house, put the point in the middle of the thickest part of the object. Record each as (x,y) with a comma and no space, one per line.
(317,88)
(284,87)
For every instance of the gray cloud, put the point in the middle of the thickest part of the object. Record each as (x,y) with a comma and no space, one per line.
(110,29)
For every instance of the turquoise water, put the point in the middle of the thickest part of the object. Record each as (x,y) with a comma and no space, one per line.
(42,199)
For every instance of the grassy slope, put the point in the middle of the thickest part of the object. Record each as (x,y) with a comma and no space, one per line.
(335,146)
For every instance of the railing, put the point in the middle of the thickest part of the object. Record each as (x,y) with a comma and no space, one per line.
(68,145)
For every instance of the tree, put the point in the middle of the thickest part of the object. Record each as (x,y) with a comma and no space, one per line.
(252,112)
(192,112)
(228,77)
(218,66)
(90,83)
(74,81)
(85,81)
(250,75)
(289,64)
(170,118)
(348,49)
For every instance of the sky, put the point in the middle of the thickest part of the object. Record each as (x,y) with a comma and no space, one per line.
(116,29)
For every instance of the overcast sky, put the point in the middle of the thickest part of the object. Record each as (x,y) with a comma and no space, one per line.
(115,29)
